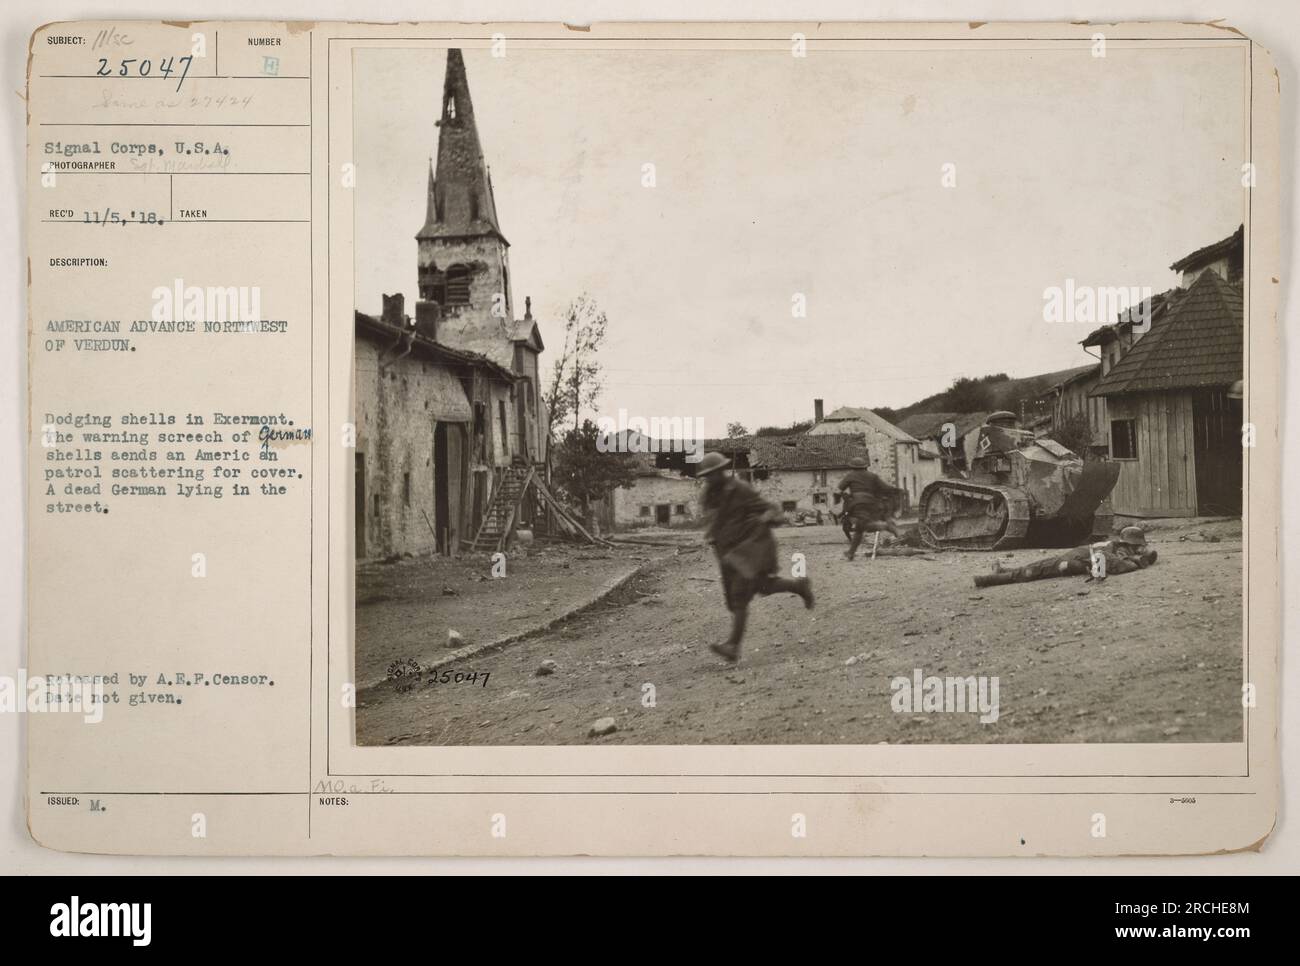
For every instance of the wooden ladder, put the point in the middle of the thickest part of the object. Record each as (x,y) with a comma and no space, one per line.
(503,509)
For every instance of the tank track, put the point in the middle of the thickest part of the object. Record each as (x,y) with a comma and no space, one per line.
(1005,510)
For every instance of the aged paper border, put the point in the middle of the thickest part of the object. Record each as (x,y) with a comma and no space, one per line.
(579,800)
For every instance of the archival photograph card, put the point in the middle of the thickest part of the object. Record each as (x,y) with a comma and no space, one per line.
(652,439)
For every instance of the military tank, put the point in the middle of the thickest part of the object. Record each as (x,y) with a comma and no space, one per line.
(1020,491)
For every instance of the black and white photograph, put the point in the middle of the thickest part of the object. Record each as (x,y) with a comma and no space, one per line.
(736,397)
(534,439)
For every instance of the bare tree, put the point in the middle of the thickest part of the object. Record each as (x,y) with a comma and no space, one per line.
(576,373)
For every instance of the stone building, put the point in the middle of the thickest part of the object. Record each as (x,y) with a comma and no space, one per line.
(448,404)
(796,472)
(662,496)
(897,457)
(799,472)
(423,435)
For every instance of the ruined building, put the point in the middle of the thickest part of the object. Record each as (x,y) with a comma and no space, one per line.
(448,404)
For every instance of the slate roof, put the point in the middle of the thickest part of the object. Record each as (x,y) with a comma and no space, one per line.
(1198,343)
(807,452)
(854,414)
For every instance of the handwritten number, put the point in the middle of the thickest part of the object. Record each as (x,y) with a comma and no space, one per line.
(133,67)
(186,60)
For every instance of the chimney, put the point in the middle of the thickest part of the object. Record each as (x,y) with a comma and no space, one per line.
(394,305)
(528,308)
(817,411)
(426,320)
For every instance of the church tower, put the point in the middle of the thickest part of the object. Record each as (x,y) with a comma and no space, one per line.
(464,266)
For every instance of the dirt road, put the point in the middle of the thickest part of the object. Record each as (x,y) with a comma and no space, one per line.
(405,609)
(1149,656)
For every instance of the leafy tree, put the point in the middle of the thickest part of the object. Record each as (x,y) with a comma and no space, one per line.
(1075,434)
(576,374)
(736,431)
(584,473)
(967,395)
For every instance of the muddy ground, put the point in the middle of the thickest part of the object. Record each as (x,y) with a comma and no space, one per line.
(1149,656)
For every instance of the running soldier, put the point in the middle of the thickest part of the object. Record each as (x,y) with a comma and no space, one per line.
(1126,553)
(868,504)
(739,528)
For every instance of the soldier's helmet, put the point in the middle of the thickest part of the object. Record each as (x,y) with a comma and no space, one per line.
(1133,536)
(858,463)
(711,463)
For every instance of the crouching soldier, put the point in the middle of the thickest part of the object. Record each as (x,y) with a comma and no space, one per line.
(868,504)
(739,528)
(1124,554)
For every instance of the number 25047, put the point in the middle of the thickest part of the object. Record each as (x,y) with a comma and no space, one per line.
(144,67)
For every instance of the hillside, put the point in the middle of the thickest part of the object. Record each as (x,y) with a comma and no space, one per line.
(985,394)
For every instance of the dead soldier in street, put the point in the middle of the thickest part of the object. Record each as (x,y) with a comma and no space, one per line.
(868,505)
(1122,555)
(739,527)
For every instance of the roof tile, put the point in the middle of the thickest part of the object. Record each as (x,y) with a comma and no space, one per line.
(1197,344)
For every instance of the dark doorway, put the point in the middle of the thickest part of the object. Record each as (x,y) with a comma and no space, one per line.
(480,495)
(359,507)
(441,489)
(1216,425)
(663,514)
(521,421)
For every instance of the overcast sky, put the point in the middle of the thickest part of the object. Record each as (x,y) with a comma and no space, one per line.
(820,176)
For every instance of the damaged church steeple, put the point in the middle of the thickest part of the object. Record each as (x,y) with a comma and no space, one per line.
(463,263)
(460,201)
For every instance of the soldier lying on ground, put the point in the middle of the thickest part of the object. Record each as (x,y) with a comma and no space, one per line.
(739,528)
(1124,554)
(868,504)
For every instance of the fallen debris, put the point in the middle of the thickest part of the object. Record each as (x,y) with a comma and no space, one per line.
(601,727)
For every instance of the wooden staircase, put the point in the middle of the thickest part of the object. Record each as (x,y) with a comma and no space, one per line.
(519,483)
(503,509)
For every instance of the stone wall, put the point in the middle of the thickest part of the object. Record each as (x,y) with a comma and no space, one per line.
(395,449)
(652,491)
